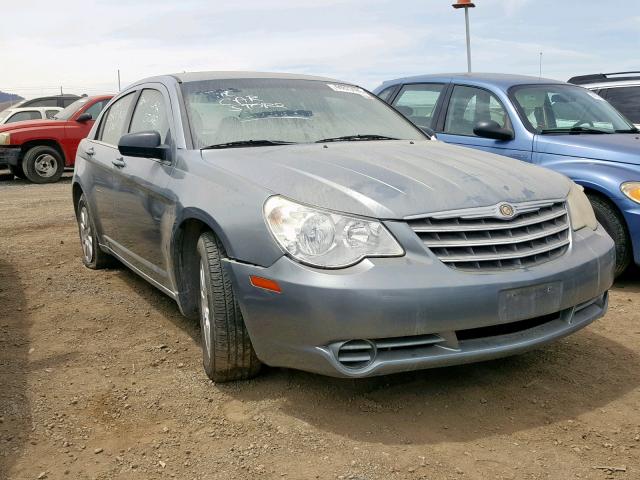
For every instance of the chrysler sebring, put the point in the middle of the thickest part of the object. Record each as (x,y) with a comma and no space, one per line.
(307,224)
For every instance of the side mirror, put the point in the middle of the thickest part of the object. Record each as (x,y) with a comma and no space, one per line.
(143,144)
(85,117)
(492,129)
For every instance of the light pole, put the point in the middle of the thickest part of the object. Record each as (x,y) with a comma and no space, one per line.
(466,4)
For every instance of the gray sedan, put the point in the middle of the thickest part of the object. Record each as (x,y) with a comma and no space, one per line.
(307,224)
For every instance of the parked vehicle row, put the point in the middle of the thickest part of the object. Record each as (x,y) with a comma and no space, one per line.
(13,115)
(307,224)
(39,150)
(61,101)
(622,90)
(553,124)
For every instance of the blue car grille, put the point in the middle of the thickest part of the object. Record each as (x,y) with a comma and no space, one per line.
(471,241)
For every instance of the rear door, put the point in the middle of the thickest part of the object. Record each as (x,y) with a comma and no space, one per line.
(143,200)
(469,105)
(420,103)
(100,153)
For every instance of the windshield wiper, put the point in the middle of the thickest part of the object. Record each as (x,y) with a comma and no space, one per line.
(247,143)
(349,138)
(628,130)
(573,130)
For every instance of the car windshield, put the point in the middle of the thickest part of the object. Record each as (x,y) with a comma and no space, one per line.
(259,112)
(565,109)
(4,114)
(68,112)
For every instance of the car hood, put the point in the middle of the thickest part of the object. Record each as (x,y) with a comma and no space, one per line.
(615,147)
(7,127)
(390,179)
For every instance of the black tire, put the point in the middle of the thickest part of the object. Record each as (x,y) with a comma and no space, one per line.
(16,171)
(614,224)
(227,352)
(43,164)
(92,255)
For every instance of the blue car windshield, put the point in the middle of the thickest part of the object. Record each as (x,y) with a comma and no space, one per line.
(566,109)
(267,111)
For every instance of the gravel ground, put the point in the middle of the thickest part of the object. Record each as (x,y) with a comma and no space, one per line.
(100,378)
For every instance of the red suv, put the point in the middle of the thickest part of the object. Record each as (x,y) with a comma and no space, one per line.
(39,150)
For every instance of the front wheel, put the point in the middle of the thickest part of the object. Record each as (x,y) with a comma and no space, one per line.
(43,164)
(613,223)
(227,352)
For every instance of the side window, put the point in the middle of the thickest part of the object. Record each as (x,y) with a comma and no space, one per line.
(49,102)
(50,113)
(386,93)
(22,116)
(151,114)
(626,100)
(470,105)
(113,126)
(95,109)
(418,102)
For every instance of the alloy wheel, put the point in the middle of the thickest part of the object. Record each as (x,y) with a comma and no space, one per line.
(86,234)
(204,310)
(45,165)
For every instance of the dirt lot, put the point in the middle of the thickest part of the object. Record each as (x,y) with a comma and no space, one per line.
(100,378)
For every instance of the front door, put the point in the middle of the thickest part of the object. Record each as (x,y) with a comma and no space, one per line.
(100,153)
(470,105)
(143,201)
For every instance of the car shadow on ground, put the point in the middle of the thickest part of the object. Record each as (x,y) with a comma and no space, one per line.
(577,375)
(15,409)
(7,178)
(560,382)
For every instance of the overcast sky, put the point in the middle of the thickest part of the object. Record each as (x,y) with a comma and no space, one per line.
(81,44)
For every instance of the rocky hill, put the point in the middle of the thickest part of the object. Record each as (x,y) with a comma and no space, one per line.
(7,99)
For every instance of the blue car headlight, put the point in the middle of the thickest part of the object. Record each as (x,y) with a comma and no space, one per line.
(326,239)
(631,190)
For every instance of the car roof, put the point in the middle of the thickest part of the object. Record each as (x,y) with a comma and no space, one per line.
(501,80)
(28,109)
(229,75)
(615,79)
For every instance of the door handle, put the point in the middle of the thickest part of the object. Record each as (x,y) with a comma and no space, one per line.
(90,151)
(119,162)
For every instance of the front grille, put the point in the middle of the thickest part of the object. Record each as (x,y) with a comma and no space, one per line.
(480,239)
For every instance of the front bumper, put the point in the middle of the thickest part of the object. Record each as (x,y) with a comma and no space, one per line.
(9,156)
(430,315)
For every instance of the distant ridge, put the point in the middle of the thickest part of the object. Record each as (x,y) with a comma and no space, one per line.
(8,99)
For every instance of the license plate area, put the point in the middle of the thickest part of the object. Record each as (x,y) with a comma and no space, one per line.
(529,302)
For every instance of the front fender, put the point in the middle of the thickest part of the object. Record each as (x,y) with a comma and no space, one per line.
(602,176)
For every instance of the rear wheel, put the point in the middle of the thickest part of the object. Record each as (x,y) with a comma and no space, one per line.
(43,164)
(92,256)
(16,171)
(614,224)
(227,352)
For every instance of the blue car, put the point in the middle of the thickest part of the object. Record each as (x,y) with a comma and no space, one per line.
(553,124)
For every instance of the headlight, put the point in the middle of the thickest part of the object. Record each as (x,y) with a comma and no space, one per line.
(631,190)
(580,209)
(5,138)
(325,239)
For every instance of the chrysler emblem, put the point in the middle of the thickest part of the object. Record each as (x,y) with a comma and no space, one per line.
(506,210)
